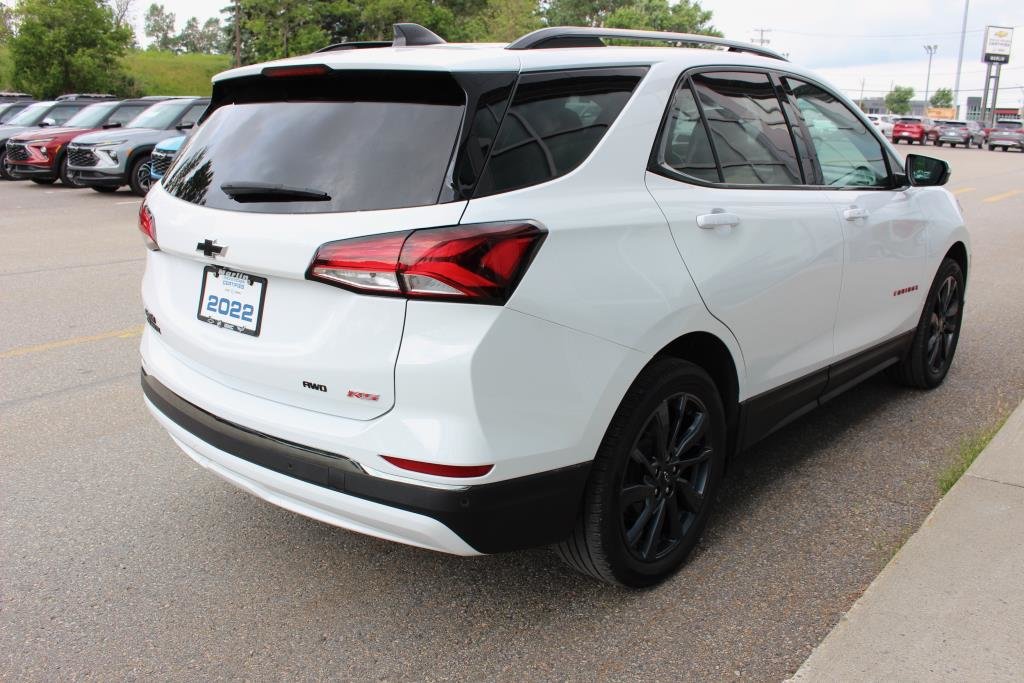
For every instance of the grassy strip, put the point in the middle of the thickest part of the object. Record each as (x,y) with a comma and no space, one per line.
(969,450)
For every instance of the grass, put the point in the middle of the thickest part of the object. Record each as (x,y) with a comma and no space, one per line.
(166,73)
(155,73)
(969,450)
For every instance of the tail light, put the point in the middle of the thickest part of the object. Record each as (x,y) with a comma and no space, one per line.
(480,263)
(147,226)
(459,471)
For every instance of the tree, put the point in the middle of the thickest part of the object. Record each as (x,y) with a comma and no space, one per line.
(68,46)
(581,12)
(657,15)
(7,24)
(159,25)
(942,98)
(122,10)
(898,100)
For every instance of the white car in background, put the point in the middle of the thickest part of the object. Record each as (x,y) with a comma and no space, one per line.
(883,123)
(478,298)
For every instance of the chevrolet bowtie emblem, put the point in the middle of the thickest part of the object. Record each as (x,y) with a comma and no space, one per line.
(211,248)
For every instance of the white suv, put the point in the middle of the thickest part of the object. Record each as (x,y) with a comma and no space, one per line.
(477,298)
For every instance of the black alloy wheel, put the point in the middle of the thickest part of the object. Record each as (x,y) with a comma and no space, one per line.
(663,486)
(654,479)
(931,351)
(943,325)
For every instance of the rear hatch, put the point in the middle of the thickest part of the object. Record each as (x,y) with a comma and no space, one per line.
(280,167)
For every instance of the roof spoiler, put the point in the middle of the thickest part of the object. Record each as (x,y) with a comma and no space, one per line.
(576,36)
(406,35)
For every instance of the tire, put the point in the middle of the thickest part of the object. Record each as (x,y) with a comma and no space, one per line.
(991,148)
(65,175)
(43,181)
(935,340)
(139,178)
(4,172)
(895,141)
(635,486)
(105,189)
(939,144)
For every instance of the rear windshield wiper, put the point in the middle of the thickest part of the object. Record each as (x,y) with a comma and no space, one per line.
(262,192)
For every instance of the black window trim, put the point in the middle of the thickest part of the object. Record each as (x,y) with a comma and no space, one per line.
(896,174)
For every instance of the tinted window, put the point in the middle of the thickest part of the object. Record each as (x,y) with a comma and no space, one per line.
(91,116)
(685,146)
(848,153)
(553,124)
(126,113)
(161,115)
(192,115)
(748,130)
(367,143)
(9,111)
(62,112)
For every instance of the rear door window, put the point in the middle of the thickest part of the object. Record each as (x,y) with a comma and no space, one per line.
(685,146)
(554,122)
(193,115)
(749,132)
(350,141)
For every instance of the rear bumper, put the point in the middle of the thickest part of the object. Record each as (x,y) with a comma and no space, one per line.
(1019,144)
(487,518)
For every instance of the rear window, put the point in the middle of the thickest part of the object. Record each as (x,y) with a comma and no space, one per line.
(1009,125)
(350,141)
(908,120)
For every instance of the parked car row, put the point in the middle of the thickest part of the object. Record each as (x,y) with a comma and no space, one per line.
(92,140)
(1006,133)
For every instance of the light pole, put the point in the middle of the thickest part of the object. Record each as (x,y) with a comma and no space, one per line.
(931,50)
(960,60)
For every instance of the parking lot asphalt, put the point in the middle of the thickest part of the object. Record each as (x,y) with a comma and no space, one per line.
(119,558)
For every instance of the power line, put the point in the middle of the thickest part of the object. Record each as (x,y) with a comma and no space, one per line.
(761,40)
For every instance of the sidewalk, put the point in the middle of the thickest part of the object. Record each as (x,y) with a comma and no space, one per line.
(950,605)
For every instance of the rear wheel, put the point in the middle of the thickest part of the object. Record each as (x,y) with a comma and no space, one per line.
(991,148)
(653,480)
(938,143)
(935,340)
(104,189)
(139,178)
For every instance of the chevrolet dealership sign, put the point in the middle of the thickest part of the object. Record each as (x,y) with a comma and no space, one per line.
(996,48)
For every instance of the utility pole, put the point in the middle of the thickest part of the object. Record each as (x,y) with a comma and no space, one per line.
(862,93)
(931,50)
(761,40)
(238,33)
(960,60)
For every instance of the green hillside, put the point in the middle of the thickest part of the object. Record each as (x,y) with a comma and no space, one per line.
(156,73)
(166,73)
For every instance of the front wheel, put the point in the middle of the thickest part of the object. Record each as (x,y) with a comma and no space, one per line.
(653,480)
(65,175)
(140,179)
(5,167)
(938,331)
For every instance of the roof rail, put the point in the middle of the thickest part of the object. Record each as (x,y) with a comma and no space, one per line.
(85,96)
(576,36)
(406,35)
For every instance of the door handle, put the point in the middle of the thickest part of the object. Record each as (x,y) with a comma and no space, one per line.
(717,218)
(855,213)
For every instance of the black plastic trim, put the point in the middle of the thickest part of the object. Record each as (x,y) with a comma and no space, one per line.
(772,410)
(507,515)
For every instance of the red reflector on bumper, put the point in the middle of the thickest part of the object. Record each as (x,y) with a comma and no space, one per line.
(460,471)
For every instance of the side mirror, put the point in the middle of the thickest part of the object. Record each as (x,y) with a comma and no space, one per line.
(48,121)
(115,124)
(184,126)
(925,171)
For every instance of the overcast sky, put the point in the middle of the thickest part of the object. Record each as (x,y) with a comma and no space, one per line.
(880,41)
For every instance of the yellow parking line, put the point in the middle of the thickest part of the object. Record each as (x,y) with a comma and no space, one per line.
(50,346)
(1001,197)
(964,190)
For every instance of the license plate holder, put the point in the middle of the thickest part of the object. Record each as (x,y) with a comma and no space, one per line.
(232,300)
